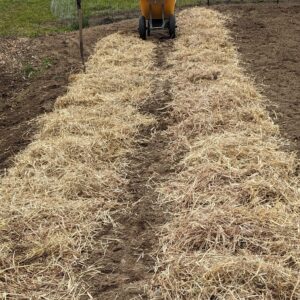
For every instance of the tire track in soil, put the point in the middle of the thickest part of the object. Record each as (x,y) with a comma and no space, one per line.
(127,264)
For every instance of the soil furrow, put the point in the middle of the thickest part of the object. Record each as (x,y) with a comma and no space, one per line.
(127,263)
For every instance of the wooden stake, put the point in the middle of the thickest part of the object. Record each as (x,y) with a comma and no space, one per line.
(80,21)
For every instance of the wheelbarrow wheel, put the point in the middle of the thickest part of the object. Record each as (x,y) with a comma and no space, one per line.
(172,27)
(142,27)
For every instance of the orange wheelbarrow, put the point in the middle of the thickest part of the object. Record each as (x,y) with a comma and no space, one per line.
(157,14)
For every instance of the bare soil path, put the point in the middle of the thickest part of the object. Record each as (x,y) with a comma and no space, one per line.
(128,263)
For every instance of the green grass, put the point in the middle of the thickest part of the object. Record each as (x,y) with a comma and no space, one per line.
(30,71)
(94,6)
(26,18)
(34,17)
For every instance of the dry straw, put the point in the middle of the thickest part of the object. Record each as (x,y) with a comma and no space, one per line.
(65,186)
(233,205)
(233,231)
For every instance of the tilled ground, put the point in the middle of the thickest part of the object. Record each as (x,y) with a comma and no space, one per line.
(34,72)
(268,39)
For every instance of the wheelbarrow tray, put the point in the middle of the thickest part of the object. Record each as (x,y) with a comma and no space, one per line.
(157,9)
(157,14)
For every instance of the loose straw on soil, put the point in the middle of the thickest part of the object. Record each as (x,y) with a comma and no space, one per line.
(64,187)
(234,203)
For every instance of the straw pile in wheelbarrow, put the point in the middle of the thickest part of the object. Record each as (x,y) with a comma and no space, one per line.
(234,205)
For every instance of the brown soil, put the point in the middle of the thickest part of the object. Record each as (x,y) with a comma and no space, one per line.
(268,39)
(34,72)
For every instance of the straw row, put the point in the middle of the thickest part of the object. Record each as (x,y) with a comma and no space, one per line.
(66,186)
(233,206)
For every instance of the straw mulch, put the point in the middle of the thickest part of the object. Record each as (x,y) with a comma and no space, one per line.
(233,206)
(65,186)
